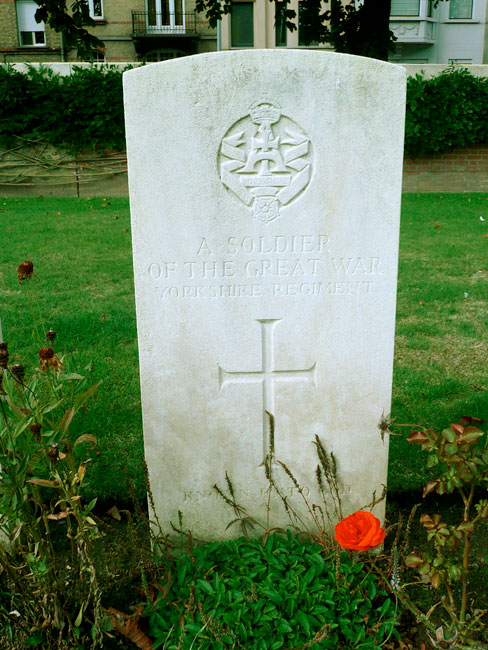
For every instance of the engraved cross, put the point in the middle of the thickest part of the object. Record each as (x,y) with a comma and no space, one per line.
(267,376)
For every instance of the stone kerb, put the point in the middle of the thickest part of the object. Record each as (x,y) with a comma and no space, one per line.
(265,201)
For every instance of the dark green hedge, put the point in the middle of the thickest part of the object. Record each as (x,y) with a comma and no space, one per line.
(450,110)
(84,110)
(81,111)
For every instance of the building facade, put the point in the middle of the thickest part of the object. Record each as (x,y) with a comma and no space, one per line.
(132,30)
(154,30)
(454,32)
(258,24)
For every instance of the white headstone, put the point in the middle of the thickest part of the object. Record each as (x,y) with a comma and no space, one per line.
(265,200)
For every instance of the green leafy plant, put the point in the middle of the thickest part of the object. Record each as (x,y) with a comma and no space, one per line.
(460,454)
(269,593)
(50,593)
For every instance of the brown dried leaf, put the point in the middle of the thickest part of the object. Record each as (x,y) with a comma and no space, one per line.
(428,487)
(59,515)
(457,428)
(114,513)
(129,627)
(81,472)
(418,437)
(468,419)
(66,420)
(44,482)
(86,437)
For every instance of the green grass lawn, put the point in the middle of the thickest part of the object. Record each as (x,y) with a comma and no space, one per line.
(441,346)
(83,286)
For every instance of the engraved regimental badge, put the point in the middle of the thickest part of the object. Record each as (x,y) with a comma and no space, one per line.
(265,160)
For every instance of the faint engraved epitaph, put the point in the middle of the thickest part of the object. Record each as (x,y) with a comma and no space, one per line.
(265,160)
(267,376)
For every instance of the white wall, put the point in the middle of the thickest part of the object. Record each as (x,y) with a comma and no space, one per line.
(429,70)
(65,69)
(459,40)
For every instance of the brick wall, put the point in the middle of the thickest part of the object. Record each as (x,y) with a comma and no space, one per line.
(8,26)
(460,170)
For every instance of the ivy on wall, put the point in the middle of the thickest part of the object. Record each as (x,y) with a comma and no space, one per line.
(84,111)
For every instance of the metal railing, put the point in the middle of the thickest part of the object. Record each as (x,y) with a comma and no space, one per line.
(149,23)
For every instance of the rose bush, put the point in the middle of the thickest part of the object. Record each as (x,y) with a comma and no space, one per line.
(360,531)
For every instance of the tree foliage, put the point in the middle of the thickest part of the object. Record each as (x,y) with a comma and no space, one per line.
(72,24)
(352,28)
(363,30)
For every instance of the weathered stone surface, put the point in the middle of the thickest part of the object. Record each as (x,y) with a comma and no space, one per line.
(265,200)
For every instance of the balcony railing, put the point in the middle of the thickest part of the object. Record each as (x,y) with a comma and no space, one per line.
(152,23)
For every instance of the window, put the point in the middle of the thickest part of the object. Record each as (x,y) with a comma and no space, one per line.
(166,16)
(163,55)
(280,24)
(461,9)
(242,24)
(96,8)
(97,56)
(30,32)
(405,8)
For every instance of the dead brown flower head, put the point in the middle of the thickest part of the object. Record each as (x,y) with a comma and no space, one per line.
(35,429)
(50,335)
(3,354)
(25,271)
(48,358)
(53,453)
(18,371)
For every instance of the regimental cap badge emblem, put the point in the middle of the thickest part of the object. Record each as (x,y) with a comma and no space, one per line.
(265,160)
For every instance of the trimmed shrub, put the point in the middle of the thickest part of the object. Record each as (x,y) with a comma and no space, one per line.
(85,110)
(446,111)
(81,111)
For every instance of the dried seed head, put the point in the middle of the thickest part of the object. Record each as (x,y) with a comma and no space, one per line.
(2,392)
(46,353)
(18,371)
(53,453)
(35,429)
(25,270)
(3,354)
(50,335)
(48,358)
